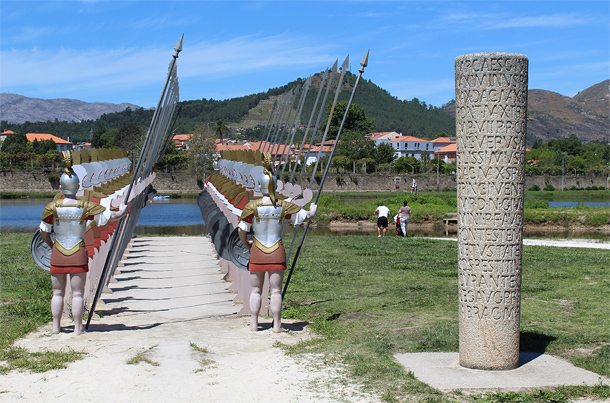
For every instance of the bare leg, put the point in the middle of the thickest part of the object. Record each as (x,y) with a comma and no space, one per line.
(384,231)
(275,284)
(58,281)
(379,230)
(256,281)
(77,282)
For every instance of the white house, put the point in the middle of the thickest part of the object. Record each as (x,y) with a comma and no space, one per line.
(383,137)
(409,146)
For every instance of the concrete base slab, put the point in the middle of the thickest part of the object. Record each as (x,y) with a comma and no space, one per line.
(442,371)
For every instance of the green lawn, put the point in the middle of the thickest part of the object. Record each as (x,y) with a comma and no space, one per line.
(368,298)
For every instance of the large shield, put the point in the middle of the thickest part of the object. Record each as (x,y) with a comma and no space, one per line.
(41,252)
(240,255)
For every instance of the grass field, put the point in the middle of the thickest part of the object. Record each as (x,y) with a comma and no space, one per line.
(368,298)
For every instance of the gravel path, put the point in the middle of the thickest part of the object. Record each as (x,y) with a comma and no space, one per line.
(171,308)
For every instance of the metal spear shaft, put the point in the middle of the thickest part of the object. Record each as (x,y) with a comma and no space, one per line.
(363,64)
(277,107)
(315,129)
(313,111)
(268,121)
(98,291)
(295,122)
(334,71)
(287,100)
(280,138)
(282,128)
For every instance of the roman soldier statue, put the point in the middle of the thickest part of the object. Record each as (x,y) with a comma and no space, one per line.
(69,218)
(265,217)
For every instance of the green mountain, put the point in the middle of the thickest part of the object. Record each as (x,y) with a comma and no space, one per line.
(550,115)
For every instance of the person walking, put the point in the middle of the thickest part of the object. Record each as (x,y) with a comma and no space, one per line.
(382,220)
(404,214)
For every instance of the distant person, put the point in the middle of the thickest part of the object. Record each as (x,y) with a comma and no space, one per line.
(404,215)
(414,186)
(382,220)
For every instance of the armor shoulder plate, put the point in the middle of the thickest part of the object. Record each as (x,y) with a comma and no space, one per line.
(250,209)
(92,208)
(49,210)
(289,208)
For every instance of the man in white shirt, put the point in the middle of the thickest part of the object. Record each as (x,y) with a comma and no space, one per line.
(382,220)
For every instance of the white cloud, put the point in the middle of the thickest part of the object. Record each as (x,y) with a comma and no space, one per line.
(503,20)
(545,21)
(131,69)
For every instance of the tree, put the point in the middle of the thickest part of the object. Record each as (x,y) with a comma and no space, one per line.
(440,134)
(201,149)
(44,146)
(15,144)
(220,128)
(356,121)
(106,140)
(407,165)
(129,138)
(384,153)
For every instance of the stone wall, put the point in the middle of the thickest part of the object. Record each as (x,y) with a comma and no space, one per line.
(165,183)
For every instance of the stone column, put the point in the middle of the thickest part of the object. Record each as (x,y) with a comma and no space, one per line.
(491,112)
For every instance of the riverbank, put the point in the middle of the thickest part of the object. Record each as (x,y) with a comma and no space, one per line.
(369,226)
(182,182)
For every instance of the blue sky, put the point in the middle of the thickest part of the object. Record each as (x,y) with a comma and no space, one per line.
(118,51)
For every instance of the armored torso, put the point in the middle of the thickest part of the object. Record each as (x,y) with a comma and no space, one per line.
(267,221)
(69,222)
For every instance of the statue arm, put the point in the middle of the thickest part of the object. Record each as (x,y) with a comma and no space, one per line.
(46,237)
(243,236)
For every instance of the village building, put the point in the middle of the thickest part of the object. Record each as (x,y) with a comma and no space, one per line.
(409,146)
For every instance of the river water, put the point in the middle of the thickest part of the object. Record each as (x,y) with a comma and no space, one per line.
(183,217)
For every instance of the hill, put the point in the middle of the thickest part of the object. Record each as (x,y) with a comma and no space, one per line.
(555,116)
(20,109)
(551,115)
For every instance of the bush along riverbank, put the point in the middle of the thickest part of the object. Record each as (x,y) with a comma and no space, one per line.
(433,207)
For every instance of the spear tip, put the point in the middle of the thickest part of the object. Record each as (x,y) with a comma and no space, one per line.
(345,64)
(364,62)
(178,47)
(334,69)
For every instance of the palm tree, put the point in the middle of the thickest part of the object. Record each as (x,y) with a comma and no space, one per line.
(219,128)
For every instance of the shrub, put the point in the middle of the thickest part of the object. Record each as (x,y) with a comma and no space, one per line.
(534,188)
(533,204)
(549,188)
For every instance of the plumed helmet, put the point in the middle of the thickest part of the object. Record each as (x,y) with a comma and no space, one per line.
(69,183)
(267,180)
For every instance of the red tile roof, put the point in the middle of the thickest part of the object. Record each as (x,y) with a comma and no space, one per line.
(451,148)
(409,138)
(45,136)
(444,140)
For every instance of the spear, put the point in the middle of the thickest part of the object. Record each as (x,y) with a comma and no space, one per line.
(337,91)
(268,121)
(295,121)
(363,64)
(283,130)
(119,233)
(287,100)
(313,110)
(315,129)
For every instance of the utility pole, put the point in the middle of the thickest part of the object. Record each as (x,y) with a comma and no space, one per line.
(562,168)
(438,164)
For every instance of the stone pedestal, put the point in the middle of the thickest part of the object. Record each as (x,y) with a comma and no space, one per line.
(491,112)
